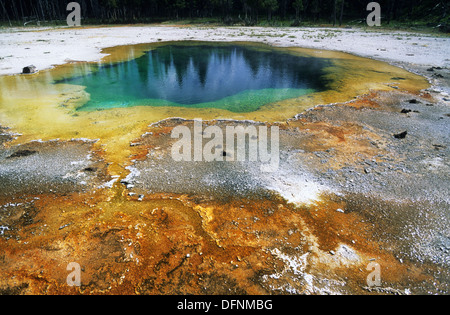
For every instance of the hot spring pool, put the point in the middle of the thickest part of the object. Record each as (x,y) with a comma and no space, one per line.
(115,99)
(234,77)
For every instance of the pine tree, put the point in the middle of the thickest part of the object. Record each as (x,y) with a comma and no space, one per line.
(298,7)
(270,6)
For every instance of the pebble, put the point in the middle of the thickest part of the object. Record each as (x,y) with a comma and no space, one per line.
(401,135)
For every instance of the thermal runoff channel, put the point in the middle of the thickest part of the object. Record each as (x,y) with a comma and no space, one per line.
(234,77)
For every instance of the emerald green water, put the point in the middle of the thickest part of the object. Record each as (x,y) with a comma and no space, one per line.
(234,77)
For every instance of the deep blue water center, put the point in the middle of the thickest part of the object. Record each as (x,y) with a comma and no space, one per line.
(239,78)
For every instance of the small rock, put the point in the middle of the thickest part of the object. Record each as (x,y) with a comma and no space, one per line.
(405,111)
(401,135)
(439,146)
(414,101)
(29,69)
(340,210)
(64,226)
(22,153)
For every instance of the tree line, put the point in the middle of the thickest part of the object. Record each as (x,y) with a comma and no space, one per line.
(247,12)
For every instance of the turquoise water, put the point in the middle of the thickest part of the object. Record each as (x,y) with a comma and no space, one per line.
(233,77)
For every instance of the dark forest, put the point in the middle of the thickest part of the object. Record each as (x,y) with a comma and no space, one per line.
(434,13)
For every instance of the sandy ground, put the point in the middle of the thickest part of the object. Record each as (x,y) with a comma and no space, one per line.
(228,229)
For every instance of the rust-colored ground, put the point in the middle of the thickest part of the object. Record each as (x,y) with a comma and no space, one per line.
(132,241)
(180,244)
